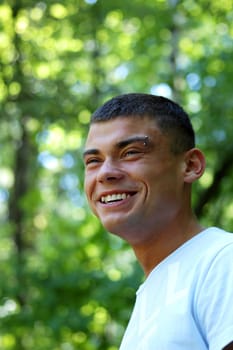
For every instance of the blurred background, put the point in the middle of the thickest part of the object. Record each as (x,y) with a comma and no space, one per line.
(65,283)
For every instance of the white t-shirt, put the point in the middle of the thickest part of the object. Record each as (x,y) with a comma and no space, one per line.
(186,303)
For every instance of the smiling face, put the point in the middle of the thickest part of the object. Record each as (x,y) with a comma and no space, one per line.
(133,182)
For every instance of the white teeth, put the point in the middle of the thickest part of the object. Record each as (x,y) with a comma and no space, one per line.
(114,197)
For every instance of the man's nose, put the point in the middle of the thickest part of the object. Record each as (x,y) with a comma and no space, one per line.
(109,171)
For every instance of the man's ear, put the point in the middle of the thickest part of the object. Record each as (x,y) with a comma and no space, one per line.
(194,165)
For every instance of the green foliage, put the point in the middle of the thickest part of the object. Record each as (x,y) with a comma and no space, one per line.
(65,283)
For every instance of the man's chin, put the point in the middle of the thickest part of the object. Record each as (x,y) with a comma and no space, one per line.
(122,230)
(115,228)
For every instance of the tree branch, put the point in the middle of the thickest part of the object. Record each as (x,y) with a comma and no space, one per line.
(213,190)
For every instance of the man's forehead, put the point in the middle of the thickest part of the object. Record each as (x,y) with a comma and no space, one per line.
(118,134)
(121,127)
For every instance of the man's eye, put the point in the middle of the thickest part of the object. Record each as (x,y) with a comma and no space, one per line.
(131,152)
(92,161)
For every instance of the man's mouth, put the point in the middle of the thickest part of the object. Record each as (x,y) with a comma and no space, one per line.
(115,197)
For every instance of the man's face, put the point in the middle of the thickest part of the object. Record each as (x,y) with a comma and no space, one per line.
(133,182)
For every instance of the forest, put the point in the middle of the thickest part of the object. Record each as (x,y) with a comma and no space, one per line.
(66,283)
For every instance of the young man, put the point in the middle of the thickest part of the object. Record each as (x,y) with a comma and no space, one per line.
(141,161)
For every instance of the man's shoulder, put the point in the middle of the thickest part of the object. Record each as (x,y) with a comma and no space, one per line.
(216,238)
(201,251)
(213,238)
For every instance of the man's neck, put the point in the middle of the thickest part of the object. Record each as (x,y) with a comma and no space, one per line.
(151,252)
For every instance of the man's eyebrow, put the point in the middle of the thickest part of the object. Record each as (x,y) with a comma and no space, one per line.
(144,139)
(90,151)
(121,144)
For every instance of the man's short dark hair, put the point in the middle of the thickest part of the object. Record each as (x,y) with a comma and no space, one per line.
(168,115)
